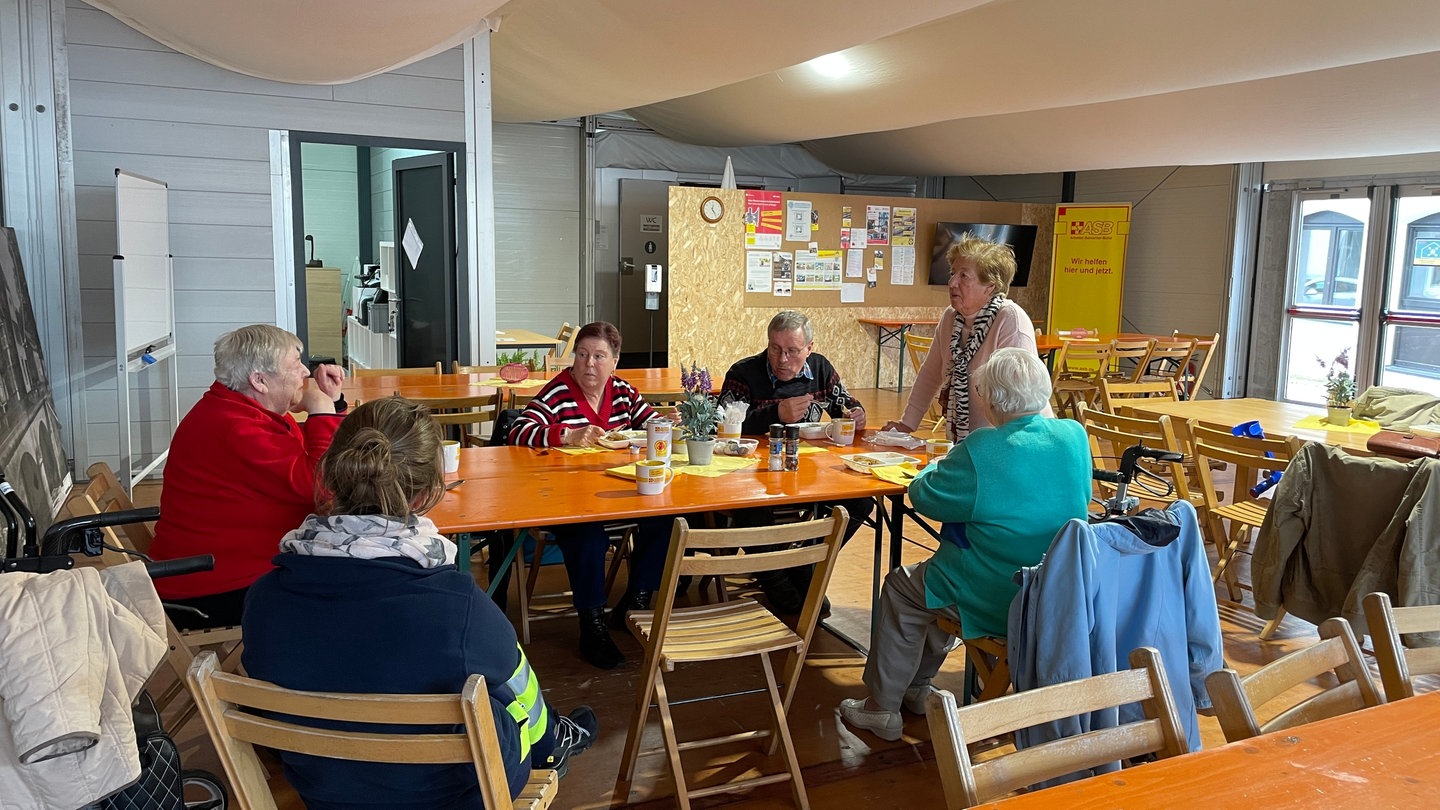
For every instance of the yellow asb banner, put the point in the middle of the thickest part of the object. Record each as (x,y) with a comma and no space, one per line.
(1087,281)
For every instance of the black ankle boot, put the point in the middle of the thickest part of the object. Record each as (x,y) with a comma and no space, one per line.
(639,600)
(595,643)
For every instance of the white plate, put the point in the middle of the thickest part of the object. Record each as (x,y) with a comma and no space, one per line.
(864,462)
(812,430)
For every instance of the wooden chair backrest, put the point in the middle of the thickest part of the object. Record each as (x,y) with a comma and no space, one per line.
(1136,350)
(456,368)
(565,340)
(1110,434)
(553,363)
(745,551)
(105,490)
(1337,652)
(952,728)
(1078,360)
(1204,350)
(1113,394)
(1169,358)
(228,703)
(917,347)
(414,371)
(1398,663)
(1248,455)
(469,413)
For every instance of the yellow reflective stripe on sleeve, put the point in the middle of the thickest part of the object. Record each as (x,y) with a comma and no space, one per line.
(528,708)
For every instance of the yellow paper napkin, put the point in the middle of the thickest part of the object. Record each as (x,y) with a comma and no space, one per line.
(1363,427)
(901,474)
(719,465)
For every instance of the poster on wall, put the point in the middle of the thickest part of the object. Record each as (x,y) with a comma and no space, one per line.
(32,453)
(797,220)
(764,220)
(877,224)
(757,271)
(782,269)
(902,228)
(1087,280)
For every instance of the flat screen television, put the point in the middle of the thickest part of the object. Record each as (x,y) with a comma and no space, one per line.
(1020,238)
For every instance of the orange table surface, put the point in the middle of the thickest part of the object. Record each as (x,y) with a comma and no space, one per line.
(657,383)
(518,487)
(1386,756)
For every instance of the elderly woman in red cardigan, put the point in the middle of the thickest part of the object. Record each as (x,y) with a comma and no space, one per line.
(241,470)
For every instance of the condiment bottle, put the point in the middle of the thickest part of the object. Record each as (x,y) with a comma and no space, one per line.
(792,447)
(777,447)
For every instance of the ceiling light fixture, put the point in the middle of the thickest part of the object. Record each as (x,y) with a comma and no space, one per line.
(834,65)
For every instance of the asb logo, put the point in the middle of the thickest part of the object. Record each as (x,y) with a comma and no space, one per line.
(1079,227)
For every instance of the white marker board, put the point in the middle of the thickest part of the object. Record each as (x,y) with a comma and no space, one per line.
(144,298)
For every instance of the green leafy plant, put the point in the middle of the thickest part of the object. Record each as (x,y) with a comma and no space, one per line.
(524,358)
(1339,384)
(698,410)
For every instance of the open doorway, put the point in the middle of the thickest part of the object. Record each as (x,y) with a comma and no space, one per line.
(346,224)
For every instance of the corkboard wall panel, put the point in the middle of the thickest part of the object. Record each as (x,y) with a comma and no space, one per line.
(713,322)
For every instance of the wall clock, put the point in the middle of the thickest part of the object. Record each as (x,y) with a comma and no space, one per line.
(712,209)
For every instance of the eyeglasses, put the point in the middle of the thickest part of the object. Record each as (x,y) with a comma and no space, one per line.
(788,354)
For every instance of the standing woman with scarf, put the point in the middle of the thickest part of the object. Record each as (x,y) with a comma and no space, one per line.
(366,598)
(979,320)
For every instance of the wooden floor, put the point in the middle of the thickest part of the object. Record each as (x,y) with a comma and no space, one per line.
(842,768)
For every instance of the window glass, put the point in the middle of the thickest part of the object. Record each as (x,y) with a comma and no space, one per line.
(1313,344)
(1332,244)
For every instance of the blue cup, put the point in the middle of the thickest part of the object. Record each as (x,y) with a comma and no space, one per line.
(1251,429)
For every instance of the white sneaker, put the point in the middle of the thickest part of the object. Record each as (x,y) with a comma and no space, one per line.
(883,724)
(914,701)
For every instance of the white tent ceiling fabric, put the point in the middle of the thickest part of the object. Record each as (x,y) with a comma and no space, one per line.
(935,87)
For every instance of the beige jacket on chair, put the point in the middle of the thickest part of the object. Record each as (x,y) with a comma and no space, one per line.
(75,650)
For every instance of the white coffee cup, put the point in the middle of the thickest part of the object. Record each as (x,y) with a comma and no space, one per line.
(936,449)
(652,476)
(841,431)
(451,451)
(658,436)
(731,429)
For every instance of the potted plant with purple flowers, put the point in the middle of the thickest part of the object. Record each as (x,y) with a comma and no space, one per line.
(1339,388)
(698,414)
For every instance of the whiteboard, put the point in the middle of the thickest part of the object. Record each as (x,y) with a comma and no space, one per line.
(144,300)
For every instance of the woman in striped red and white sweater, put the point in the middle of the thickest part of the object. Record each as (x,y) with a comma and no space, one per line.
(575,409)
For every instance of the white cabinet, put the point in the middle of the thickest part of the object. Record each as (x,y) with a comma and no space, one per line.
(369,349)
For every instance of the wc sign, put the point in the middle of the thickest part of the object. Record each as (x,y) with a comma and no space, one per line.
(652,223)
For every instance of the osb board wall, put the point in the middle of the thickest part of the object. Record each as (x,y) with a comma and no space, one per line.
(711,325)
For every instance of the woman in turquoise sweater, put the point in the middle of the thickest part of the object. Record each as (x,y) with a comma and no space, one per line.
(1002,494)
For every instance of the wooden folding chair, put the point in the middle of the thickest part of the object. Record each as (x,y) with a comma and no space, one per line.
(109,495)
(553,363)
(1076,375)
(1129,359)
(242,713)
(1400,664)
(184,645)
(953,728)
(1250,456)
(1111,434)
(469,414)
(917,347)
(1337,652)
(1114,394)
(565,344)
(1192,376)
(414,371)
(559,604)
(1168,360)
(736,628)
(987,664)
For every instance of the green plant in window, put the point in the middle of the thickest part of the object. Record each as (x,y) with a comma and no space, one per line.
(1339,384)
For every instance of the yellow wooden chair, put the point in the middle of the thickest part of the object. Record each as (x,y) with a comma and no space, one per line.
(470,414)
(564,345)
(1111,434)
(1129,359)
(953,728)
(1400,664)
(1336,653)
(1075,377)
(736,628)
(105,490)
(917,347)
(414,371)
(987,663)
(456,368)
(1114,395)
(1192,375)
(1246,512)
(242,713)
(1168,361)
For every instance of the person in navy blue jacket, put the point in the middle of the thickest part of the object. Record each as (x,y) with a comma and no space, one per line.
(367,598)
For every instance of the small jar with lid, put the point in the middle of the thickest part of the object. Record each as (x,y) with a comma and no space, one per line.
(792,447)
(777,447)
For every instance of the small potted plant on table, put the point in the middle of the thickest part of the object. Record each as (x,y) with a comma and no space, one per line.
(698,414)
(1339,388)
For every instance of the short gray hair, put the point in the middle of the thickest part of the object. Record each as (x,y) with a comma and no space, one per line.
(790,320)
(1013,382)
(249,349)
